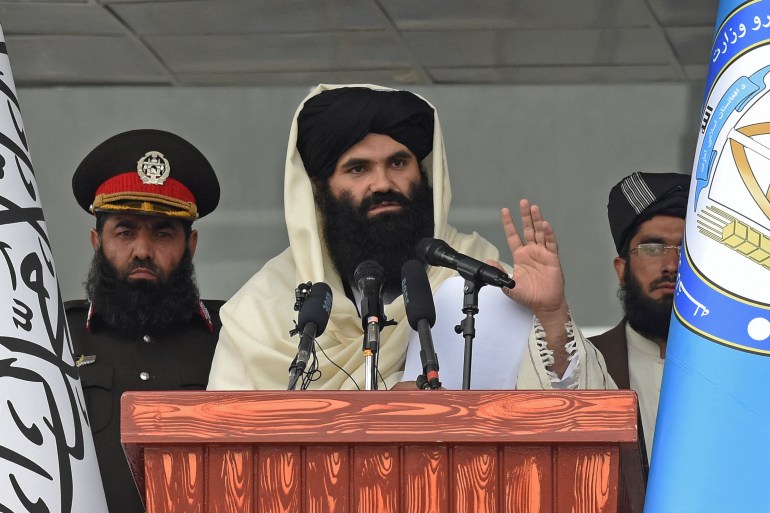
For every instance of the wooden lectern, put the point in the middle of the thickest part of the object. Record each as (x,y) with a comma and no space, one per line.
(384,451)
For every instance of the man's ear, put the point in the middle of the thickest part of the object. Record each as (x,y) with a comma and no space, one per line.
(94,235)
(192,242)
(620,269)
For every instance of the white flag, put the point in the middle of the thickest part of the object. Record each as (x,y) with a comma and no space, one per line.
(47,458)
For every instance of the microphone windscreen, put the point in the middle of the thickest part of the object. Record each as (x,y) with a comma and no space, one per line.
(366,270)
(426,249)
(418,298)
(316,308)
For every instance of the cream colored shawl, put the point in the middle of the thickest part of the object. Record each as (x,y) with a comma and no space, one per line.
(255,350)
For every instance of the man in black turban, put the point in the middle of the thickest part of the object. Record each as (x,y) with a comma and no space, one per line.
(381,222)
(366,178)
(646,213)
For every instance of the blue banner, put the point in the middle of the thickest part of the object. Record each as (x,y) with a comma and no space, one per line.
(712,439)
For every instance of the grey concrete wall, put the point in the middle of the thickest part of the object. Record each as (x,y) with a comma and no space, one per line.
(562,147)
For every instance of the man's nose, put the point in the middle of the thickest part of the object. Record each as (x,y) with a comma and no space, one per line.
(143,247)
(671,261)
(381,181)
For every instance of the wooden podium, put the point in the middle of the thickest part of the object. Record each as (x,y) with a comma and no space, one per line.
(384,451)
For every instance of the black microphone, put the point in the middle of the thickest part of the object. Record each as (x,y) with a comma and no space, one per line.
(368,277)
(439,253)
(421,313)
(313,317)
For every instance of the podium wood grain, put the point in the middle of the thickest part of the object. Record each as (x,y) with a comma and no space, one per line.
(380,451)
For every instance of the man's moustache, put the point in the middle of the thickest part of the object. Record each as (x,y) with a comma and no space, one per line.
(376,198)
(660,281)
(143,264)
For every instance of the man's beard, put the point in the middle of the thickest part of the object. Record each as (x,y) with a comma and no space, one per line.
(140,305)
(649,317)
(389,239)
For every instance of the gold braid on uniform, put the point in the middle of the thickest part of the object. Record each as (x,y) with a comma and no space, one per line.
(146,203)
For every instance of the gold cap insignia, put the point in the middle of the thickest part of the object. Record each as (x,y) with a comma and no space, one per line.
(153,168)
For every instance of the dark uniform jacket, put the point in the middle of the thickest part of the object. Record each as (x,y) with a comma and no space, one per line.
(614,347)
(177,358)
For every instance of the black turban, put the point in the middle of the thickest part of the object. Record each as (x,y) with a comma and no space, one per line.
(641,196)
(334,120)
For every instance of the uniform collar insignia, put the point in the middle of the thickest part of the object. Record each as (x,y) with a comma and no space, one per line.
(89,315)
(204,313)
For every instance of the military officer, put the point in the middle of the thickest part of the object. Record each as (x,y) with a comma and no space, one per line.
(143,325)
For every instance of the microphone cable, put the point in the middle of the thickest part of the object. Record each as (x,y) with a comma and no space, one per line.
(312,373)
(319,373)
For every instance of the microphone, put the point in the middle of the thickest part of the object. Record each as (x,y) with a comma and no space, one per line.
(421,313)
(368,277)
(312,321)
(439,253)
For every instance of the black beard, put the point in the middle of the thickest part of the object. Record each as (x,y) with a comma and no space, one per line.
(389,239)
(133,306)
(649,317)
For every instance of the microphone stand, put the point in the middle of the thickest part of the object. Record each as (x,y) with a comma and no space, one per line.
(429,378)
(301,292)
(468,325)
(293,375)
(371,346)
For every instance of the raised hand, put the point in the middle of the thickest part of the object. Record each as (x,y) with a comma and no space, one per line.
(539,277)
(536,266)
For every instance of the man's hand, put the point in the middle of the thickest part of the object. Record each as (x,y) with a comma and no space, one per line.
(538,276)
(536,267)
(408,385)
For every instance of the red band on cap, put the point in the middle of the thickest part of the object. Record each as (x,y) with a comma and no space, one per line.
(131,183)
